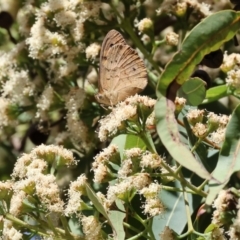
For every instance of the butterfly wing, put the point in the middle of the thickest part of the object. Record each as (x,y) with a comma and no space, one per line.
(127,72)
(111,39)
(122,71)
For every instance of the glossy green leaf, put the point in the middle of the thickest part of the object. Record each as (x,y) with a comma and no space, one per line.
(168,131)
(194,91)
(207,36)
(216,93)
(229,158)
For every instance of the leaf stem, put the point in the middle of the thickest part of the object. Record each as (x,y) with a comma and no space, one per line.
(203,184)
(36,229)
(175,189)
(196,145)
(183,181)
(188,212)
(156,44)
(130,227)
(150,145)
(146,137)
(24,224)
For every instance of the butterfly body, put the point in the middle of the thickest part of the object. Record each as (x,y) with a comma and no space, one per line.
(122,71)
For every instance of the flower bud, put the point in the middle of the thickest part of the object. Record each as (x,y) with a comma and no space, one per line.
(172,39)
(195,116)
(213,122)
(179,104)
(145,26)
(180,9)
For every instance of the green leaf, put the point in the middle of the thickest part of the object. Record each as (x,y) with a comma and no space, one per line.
(168,131)
(229,159)
(119,204)
(208,232)
(194,91)
(120,141)
(128,141)
(210,228)
(216,93)
(97,204)
(117,221)
(204,38)
(74,226)
(133,141)
(174,211)
(174,215)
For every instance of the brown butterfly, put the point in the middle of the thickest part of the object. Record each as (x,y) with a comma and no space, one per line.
(122,71)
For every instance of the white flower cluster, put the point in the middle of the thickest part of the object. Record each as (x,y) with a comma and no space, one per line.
(214,128)
(132,177)
(123,111)
(56,36)
(230,66)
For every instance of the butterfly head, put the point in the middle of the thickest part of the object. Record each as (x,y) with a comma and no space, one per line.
(107,98)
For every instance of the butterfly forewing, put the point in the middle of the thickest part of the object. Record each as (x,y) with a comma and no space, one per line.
(111,39)
(122,71)
(129,73)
